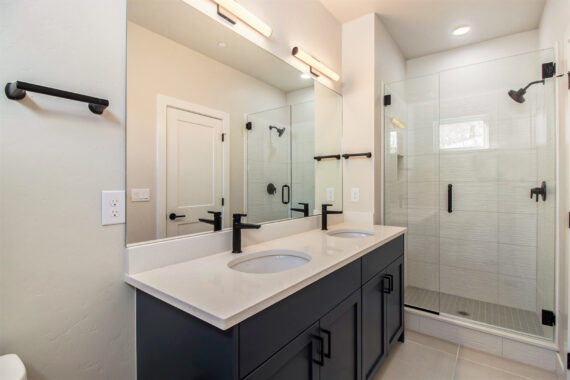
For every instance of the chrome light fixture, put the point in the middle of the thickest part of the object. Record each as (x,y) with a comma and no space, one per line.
(244,15)
(314,64)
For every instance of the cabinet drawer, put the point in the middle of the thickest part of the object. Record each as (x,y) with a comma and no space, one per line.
(265,333)
(381,257)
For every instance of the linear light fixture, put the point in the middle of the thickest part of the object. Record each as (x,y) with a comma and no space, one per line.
(244,15)
(314,64)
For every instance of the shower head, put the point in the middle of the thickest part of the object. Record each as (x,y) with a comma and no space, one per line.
(518,95)
(280,131)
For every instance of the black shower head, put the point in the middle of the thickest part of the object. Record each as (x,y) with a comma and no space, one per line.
(518,96)
(280,131)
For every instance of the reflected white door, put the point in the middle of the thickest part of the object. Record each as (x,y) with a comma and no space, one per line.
(193,171)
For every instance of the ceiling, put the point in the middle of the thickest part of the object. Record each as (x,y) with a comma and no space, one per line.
(422,27)
(186,25)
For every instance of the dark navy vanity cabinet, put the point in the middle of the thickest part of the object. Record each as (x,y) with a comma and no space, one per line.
(340,327)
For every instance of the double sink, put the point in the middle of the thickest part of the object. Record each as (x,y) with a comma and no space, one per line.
(273,261)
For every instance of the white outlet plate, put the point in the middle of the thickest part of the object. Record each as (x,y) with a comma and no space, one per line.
(112,207)
(355,194)
(330,194)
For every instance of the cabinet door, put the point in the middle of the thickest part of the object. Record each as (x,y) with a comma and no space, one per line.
(299,360)
(394,302)
(373,312)
(341,330)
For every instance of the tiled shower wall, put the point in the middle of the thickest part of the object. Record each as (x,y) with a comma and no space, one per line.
(497,245)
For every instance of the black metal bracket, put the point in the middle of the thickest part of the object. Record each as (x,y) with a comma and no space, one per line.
(335,156)
(367,155)
(313,72)
(387,100)
(539,191)
(225,17)
(17,91)
(548,318)
(548,70)
(248,126)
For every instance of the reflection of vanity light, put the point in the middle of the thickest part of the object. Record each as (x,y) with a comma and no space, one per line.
(305,76)
(314,64)
(244,15)
(397,123)
(222,44)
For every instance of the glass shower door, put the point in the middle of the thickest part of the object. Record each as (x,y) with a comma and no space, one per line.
(411,179)
(269,165)
(496,244)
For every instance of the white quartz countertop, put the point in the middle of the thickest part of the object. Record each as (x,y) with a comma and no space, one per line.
(208,289)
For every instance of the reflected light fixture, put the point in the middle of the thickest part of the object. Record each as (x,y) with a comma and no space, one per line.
(244,15)
(461,30)
(305,76)
(222,44)
(397,123)
(314,64)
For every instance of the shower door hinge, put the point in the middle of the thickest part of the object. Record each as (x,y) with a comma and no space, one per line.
(548,70)
(548,318)
(248,126)
(223,137)
(387,100)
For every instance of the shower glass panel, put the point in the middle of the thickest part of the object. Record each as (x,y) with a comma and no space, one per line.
(478,248)
(269,165)
(302,156)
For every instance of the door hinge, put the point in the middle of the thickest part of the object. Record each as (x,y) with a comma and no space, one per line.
(548,70)
(548,318)
(387,100)
(248,125)
(223,137)
(222,201)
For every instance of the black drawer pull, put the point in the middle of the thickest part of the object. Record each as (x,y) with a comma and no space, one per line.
(321,361)
(387,289)
(328,334)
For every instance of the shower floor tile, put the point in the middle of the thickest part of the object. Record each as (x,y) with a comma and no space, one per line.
(497,315)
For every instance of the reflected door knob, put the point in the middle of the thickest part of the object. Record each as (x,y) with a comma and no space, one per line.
(173,216)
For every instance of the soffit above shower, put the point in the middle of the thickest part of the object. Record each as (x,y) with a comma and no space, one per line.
(422,27)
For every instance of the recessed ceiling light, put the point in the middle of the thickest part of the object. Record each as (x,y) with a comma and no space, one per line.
(461,30)
(222,44)
(305,76)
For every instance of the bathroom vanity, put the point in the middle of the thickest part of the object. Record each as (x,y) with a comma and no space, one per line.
(336,317)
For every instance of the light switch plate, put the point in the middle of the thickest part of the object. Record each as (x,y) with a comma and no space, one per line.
(355,194)
(112,207)
(330,194)
(140,195)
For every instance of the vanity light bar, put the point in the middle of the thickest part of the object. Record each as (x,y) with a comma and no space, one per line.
(245,16)
(314,63)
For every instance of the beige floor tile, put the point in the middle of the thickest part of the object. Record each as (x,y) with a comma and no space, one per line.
(432,342)
(412,360)
(468,370)
(511,366)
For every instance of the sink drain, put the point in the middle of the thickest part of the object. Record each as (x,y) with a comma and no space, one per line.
(463,313)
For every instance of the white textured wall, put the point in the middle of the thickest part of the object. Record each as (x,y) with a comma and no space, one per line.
(64,306)
(157,65)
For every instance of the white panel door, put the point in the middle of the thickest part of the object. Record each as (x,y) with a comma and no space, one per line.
(193,170)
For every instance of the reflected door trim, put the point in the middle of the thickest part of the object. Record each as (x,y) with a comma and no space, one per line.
(163,103)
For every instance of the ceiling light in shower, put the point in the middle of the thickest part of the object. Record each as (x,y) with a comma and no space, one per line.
(222,44)
(314,64)
(305,76)
(244,15)
(461,30)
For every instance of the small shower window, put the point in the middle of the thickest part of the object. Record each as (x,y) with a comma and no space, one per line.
(464,134)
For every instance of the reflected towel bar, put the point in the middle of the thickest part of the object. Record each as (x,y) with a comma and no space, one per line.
(17,91)
(367,155)
(335,156)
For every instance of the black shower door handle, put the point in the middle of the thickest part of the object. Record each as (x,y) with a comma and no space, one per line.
(283,194)
(450,198)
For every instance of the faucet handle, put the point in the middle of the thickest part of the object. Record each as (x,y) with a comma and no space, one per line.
(237,217)
(215,213)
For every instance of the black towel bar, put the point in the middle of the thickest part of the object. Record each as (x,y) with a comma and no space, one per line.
(347,156)
(17,91)
(336,156)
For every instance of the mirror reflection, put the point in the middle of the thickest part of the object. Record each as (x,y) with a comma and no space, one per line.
(216,125)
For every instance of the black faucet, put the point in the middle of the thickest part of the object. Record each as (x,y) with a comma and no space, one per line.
(324,214)
(237,227)
(304,210)
(217,221)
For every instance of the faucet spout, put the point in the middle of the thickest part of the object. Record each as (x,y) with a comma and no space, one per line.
(237,227)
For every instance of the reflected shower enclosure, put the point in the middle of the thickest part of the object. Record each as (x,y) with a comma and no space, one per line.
(462,164)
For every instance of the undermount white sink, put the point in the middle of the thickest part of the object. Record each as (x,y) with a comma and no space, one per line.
(350,233)
(272,261)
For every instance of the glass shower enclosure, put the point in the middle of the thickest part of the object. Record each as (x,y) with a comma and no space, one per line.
(472,173)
